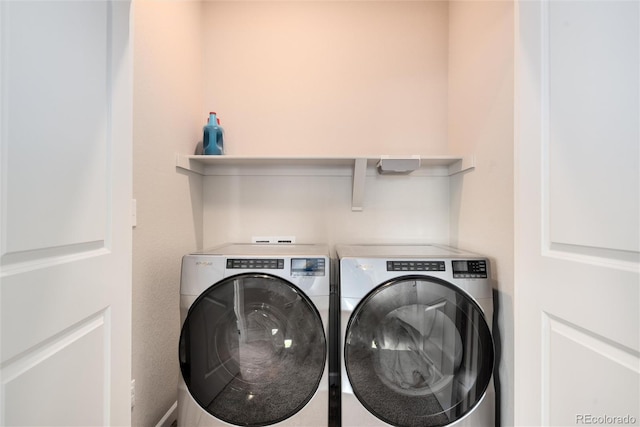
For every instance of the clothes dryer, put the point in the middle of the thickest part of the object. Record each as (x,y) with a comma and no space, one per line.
(416,340)
(253,346)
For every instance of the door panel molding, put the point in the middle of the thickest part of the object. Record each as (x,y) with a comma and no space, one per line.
(583,220)
(27,261)
(92,383)
(602,257)
(68,107)
(594,366)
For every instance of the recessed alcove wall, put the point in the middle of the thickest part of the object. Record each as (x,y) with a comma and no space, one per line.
(315,78)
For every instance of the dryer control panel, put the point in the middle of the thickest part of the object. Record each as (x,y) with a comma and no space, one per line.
(472,269)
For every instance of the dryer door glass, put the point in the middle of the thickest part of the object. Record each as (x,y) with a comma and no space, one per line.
(252,350)
(418,352)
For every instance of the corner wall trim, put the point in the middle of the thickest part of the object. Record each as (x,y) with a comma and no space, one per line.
(168,418)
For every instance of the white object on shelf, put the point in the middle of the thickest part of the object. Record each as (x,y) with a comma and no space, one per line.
(277,240)
(324,166)
(398,165)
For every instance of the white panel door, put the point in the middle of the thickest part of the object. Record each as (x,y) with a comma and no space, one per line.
(65,128)
(577,213)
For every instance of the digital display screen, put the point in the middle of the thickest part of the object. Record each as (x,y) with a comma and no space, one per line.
(459,266)
(307,266)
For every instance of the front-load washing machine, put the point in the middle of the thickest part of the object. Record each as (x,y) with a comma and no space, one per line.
(416,336)
(253,346)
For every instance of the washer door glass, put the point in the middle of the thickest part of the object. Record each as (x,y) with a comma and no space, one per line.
(252,350)
(418,352)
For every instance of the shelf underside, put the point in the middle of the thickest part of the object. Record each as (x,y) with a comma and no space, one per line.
(233,164)
(357,167)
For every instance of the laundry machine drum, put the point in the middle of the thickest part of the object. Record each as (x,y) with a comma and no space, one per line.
(418,352)
(252,350)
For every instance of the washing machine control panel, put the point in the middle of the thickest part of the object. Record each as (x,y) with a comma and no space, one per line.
(256,263)
(299,266)
(413,265)
(472,269)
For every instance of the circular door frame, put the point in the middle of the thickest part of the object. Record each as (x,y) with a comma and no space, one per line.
(485,339)
(307,303)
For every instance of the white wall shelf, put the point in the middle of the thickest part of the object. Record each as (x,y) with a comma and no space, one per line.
(356,166)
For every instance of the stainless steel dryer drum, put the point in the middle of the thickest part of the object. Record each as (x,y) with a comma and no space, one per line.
(253,348)
(415,337)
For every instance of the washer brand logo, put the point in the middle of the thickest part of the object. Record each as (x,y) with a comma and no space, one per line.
(203,263)
(364,267)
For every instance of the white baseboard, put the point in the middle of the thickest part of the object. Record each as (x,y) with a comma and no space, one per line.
(169,417)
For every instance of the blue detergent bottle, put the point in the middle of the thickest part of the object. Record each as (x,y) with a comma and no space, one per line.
(213,139)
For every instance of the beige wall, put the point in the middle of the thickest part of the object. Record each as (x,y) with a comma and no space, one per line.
(481,58)
(328,77)
(317,209)
(167,119)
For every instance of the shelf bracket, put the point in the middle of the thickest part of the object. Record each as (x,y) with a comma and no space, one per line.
(185,163)
(465,164)
(359,177)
